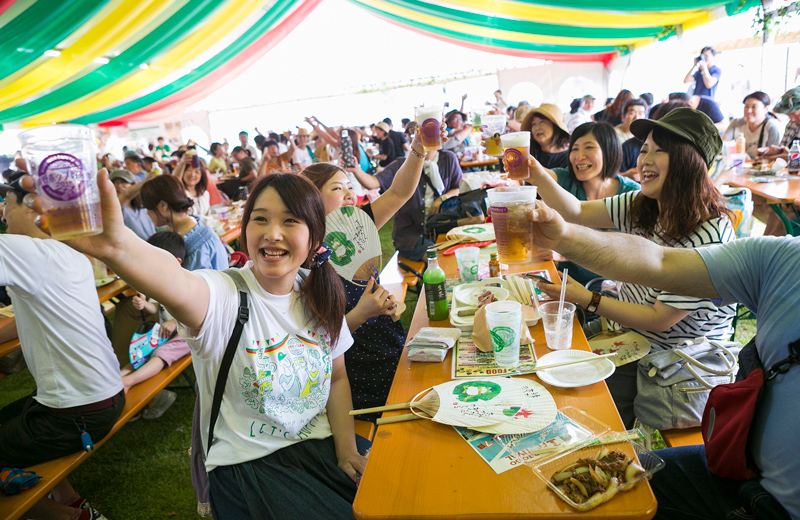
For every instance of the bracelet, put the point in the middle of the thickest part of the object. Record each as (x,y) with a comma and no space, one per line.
(592,307)
(414,152)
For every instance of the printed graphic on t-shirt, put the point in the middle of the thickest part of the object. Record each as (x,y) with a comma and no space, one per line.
(289,379)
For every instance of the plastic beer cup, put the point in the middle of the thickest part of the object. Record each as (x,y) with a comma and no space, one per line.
(511,208)
(467,258)
(492,127)
(62,161)
(503,319)
(557,328)
(429,120)
(516,148)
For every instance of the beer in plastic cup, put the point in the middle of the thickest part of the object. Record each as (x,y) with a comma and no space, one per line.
(492,128)
(62,161)
(504,319)
(511,208)
(429,120)
(557,328)
(516,148)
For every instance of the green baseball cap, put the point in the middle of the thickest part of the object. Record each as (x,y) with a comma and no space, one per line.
(686,123)
(789,103)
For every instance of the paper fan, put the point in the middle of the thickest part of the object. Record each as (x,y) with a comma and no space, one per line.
(472,233)
(355,246)
(494,405)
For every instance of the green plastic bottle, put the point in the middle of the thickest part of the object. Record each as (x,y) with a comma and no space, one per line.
(435,291)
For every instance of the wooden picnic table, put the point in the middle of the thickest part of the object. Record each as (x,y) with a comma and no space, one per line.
(489,161)
(422,469)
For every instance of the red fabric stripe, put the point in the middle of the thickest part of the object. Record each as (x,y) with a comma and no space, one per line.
(5,4)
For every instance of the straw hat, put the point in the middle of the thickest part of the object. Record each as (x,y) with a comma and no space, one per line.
(302,132)
(549,112)
(383,126)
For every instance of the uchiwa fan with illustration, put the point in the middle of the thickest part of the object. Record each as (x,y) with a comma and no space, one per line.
(493,405)
(355,245)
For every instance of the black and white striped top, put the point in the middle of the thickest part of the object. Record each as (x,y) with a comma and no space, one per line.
(706,318)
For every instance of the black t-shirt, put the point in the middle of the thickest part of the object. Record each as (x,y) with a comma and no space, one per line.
(630,153)
(398,140)
(710,108)
(246,166)
(552,160)
(387,149)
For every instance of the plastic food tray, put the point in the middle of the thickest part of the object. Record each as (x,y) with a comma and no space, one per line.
(466,323)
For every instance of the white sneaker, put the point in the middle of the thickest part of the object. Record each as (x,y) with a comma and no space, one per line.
(161,404)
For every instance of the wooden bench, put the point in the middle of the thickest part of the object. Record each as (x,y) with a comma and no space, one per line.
(687,437)
(365,428)
(392,273)
(54,471)
(8,347)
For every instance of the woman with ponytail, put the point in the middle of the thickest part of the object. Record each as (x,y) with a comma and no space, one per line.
(165,199)
(379,340)
(284,445)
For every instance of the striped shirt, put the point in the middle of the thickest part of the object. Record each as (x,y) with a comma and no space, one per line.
(791,133)
(705,318)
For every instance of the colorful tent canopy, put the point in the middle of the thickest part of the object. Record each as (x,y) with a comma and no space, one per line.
(116,61)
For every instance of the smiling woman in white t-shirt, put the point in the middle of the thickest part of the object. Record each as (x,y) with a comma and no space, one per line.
(284,443)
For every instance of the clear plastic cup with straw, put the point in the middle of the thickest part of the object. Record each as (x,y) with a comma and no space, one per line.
(557,319)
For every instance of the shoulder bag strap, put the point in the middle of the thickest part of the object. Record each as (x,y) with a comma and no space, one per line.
(230,350)
(691,363)
(428,181)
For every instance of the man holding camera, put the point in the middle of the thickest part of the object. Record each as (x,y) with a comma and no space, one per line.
(704,73)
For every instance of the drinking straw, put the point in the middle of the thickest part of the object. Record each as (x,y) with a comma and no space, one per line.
(561,305)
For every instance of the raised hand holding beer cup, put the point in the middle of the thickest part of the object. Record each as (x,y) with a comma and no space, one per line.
(429,122)
(516,149)
(62,161)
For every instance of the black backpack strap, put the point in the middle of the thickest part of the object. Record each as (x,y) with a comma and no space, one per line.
(230,350)
(429,183)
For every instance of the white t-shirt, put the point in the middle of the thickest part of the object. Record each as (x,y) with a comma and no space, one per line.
(201,204)
(280,377)
(706,319)
(302,157)
(60,324)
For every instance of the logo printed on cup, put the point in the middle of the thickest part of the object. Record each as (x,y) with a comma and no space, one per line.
(61,177)
(430,127)
(503,337)
(499,209)
(514,158)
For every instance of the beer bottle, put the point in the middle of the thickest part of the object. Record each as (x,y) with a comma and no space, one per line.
(435,292)
(494,266)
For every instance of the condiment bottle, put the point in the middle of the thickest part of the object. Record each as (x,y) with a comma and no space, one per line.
(741,143)
(494,266)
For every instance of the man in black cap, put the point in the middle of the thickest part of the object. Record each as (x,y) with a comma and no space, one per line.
(64,342)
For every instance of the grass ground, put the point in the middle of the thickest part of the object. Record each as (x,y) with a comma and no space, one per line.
(142,472)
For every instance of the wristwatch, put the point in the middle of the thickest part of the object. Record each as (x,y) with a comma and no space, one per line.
(443,198)
(592,307)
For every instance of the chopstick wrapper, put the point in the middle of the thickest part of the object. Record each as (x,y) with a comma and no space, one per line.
(431,344)
(482,338)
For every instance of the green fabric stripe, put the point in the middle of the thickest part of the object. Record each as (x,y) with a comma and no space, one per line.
(524,26)
(265,23)
(41,27)
(630,5)
(505,44)
(185,21)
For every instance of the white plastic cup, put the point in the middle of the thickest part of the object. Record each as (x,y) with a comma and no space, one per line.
(62,159)
(557,329)
(503,320)
(467,258)
(429,120)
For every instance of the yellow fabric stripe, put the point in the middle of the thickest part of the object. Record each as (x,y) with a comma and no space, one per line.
(496,33)
(573,17)
(113,31)
(225,21)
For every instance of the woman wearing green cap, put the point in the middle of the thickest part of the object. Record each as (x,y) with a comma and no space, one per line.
(677,206)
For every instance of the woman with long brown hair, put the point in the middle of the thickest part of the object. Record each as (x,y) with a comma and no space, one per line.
(612,114)
(677,206)
(378,340)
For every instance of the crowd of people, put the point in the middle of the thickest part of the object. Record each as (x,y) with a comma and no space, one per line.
(316,345)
